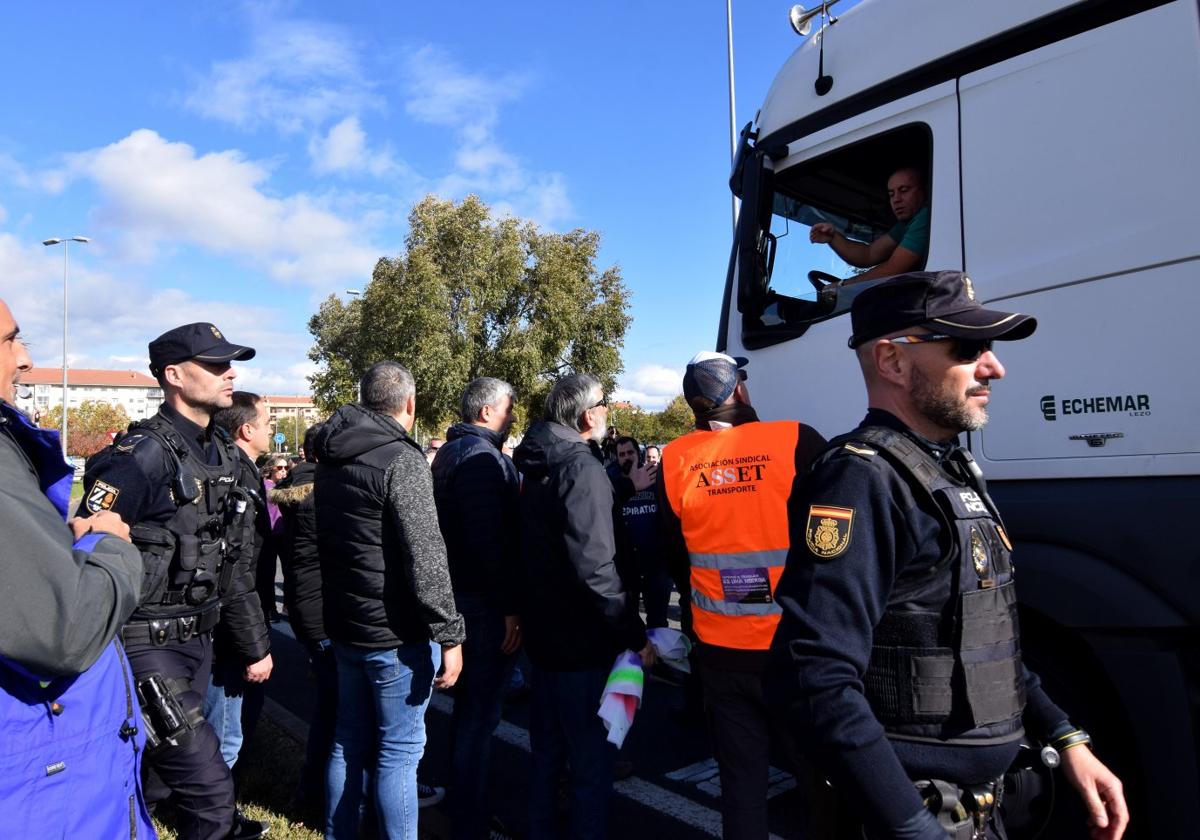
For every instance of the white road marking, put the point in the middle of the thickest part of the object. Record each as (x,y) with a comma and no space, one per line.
(659,799)
(705,776)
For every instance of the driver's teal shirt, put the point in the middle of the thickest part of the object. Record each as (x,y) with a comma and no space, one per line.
(913,234)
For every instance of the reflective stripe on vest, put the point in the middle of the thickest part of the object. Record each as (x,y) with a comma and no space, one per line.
(730,489)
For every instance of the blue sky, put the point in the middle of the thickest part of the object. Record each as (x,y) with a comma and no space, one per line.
(238,162)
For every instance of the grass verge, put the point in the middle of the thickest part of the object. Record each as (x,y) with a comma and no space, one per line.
(268,771)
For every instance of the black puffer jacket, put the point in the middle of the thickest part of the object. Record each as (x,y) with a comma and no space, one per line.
(475,486)
(298,553)
(576,613)
(243,635)
(383,563)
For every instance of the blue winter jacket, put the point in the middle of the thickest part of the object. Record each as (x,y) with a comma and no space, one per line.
(70,728)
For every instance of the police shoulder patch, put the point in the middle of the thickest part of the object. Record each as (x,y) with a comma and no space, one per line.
(102,496)
(127,443)
(827,533)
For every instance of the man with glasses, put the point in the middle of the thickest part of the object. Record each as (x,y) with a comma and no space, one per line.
(577,614)
(898,648)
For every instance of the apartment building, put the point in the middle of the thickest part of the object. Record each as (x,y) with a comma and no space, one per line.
(139,393)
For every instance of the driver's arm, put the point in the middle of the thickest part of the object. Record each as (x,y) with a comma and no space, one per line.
(857,254)
(900,261)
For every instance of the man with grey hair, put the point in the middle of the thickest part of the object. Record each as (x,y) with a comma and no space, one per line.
(577,614)
(476,486)
(389,608)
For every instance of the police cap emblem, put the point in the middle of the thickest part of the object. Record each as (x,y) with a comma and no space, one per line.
(216,332)
(827,533)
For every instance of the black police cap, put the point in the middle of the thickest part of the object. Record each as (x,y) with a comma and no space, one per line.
(939,301)
(202,341)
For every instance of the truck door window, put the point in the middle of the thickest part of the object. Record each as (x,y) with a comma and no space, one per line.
(788,275)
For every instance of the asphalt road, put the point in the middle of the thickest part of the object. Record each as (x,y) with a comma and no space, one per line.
(673,792)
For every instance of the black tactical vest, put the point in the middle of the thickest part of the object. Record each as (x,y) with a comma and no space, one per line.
(952,676)
(189,559)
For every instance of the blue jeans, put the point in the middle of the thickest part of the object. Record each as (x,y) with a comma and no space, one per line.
(478,702)
(223,709)
(564,728)
(382,696)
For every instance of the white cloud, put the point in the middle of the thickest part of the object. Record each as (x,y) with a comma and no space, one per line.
(112,320)
(344,149)
(445,94)
(12,171)
(650,386)
(157,192)
(442,93)
(298,75)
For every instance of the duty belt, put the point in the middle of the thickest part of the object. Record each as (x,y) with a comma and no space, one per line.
(159,631)
(963,811)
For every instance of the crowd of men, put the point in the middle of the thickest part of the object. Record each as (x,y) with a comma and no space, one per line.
(851,601)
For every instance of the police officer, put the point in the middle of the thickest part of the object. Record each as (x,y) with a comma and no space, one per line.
(725,488)
(173,477)
(899,640)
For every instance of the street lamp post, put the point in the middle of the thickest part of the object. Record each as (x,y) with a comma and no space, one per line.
(733,138)
(66,243)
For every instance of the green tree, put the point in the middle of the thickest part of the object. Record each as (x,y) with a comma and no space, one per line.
(634,422)
(675,420)
(89,427)
(473,296)
(654,426)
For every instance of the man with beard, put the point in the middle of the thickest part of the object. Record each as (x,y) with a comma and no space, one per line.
(639,513)
(174,479)
(903,248)
(577,614)
(898,650)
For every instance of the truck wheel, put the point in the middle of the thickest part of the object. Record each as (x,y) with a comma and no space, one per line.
(1075,681)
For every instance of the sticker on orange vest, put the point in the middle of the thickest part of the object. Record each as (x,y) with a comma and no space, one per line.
(746,586)
(828,531)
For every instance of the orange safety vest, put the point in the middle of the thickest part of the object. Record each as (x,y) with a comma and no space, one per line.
(730,490)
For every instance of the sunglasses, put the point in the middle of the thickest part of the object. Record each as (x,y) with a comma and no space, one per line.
(603,402)
(962,349)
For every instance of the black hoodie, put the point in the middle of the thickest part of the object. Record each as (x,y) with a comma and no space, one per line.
(576,612)
(383,563)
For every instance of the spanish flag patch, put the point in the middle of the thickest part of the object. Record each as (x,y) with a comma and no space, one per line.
(828,531)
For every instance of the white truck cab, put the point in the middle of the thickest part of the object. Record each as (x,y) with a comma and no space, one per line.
(1058,143)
